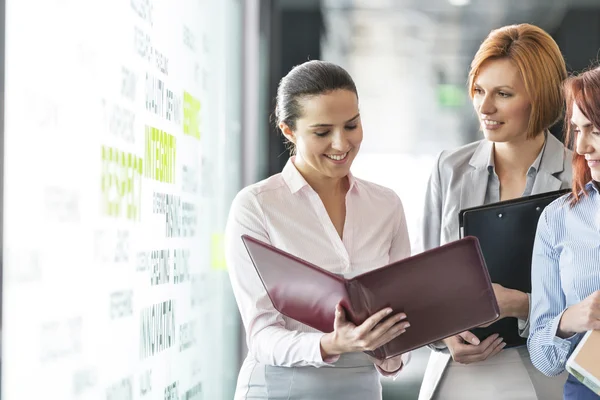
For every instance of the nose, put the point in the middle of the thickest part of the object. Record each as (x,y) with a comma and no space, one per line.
(339,141)
(486,105)
(583,145)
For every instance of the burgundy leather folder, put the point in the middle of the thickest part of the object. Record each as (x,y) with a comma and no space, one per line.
(443,291)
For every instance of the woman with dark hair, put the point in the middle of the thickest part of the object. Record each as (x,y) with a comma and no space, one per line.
(317,210)
(565,296)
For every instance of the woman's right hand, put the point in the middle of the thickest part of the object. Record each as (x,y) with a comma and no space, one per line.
(581,317)
(347,337)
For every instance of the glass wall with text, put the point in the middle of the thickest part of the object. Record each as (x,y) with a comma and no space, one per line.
(122,141)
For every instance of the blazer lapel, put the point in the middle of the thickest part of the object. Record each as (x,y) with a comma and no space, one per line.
(545,182)
(433,374)
(474,182)
(552,163)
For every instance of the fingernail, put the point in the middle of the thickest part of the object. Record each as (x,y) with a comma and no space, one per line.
(406,325)
(401,316)
(475,341)
(388,311)
(503,344)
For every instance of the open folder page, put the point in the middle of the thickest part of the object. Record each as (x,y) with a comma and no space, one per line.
(443,291)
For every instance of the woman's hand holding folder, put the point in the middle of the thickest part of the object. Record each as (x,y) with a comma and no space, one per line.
(371,334)
(512,303)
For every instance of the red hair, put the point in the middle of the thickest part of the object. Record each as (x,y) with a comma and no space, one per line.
(583,90)
(541,64)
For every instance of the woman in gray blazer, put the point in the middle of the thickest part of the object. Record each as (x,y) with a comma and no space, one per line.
(515,85)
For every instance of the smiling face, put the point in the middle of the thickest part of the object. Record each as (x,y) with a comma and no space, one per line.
(328,134)
(587,143)
(501,101)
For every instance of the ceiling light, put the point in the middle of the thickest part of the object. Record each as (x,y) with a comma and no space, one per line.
(459,3)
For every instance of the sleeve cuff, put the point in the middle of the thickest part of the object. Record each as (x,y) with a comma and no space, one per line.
(330,359)
(394,374)
(564,346)
(316,357)
(523,325)
(439,346)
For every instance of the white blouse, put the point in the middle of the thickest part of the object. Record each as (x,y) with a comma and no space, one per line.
(286,212)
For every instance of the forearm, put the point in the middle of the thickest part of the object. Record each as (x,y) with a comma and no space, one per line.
(567,327)
(562,331)
(518,305)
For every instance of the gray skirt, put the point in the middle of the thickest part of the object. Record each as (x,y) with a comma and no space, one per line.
(507,376)
(352,377)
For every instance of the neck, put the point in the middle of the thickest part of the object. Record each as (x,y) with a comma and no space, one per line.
(323,185)
(517,157)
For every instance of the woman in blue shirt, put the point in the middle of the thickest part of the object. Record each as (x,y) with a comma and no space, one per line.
(565,297)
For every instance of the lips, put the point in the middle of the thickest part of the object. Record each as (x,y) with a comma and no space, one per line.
(490,122)
(337,157)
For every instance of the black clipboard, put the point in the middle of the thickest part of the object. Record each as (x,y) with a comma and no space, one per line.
(506,233)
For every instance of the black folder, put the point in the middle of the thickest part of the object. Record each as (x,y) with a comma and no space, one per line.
(506,232)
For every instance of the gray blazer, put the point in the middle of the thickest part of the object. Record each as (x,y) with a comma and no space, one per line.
(459,181)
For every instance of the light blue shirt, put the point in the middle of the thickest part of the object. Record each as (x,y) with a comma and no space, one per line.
(565,270)
(492,193)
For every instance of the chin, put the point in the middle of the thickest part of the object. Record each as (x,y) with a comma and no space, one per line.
(339,173)
(336,172)
(495,136)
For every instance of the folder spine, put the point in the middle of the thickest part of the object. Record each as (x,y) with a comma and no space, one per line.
(360,308)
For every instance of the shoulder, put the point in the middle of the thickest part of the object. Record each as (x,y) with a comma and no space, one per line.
(451,165)
(555,144)
(377,193)
(568,154)
(554,212)
(458,158)
(551,223)
(568,157)
(557,161)
(568,160)
(567,173)
(251,196)
(247,210)
(557,149)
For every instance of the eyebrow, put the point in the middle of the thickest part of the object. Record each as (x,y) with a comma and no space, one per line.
(497,87)
(324,125)
(590,125)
